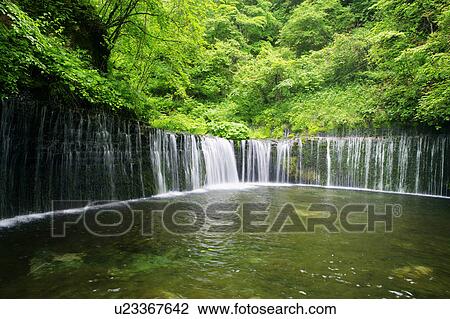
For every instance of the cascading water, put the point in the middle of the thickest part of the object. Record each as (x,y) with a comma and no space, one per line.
(74,155)
(283,161)
(402,163)
(164,155)
(256,161)
(51,153)
(220,161)
(406,164)
(191,161)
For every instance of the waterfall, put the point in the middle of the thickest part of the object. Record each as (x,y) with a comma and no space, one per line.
(220,161)
(191,162)
(52,153)
(299,172)
(328,163)
(397,163)
(405,164)
(256,163)
(319,161)
(157,151)
(283,161)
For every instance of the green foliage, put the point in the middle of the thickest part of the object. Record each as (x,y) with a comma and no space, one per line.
(156,44)
(332,108)
(212,77)
(247,22)
(75,22)
(363,10)
(262,81)
(313,24)
(236,68)
(178,122)
(417,19)
(229,130)
(411,53)
(28,51)
(264,87)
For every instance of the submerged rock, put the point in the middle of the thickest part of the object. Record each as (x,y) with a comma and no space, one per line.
(69,258)
(415,271)
(42,264)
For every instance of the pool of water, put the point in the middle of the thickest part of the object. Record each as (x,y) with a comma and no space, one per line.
(409,262)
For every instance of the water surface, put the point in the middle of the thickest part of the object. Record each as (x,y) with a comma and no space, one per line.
(410,262)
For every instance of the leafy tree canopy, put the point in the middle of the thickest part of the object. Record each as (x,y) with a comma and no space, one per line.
(235,68)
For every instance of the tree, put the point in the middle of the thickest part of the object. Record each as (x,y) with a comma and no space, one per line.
(313,24)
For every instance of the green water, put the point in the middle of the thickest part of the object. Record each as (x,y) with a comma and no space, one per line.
(410,262)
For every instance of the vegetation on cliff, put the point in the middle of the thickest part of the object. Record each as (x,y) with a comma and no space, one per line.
(235,68)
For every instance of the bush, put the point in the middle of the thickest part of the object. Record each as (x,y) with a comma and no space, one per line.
(179,123)
(332,108)
(26,51)
(229,130)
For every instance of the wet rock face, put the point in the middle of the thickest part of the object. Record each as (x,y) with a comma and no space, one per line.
(52,153)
